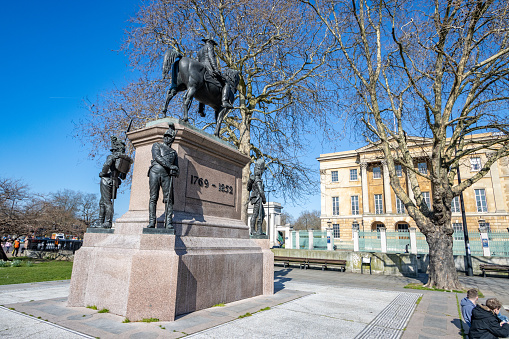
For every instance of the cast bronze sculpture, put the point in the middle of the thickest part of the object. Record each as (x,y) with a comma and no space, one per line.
(202,80)
(163,168)
(257,197)
(115,169)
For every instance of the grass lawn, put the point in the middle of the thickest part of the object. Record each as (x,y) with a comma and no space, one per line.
(40,271)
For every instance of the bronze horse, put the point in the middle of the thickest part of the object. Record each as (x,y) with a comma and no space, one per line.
(191,76)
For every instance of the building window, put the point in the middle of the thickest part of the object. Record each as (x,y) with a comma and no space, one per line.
(402,227)
(336,230)
(355,204)
(422,167)
(475,164)
(400,207)
(399,172)
(377,174)
(458,231)
(334,176)
(335,205)
(353,175)
(480,200)
(379,208)
(425,196)
(455,205)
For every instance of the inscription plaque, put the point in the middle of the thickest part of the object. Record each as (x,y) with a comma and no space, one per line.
(209,184)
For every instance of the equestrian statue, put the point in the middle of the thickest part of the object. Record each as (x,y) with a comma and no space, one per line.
(202,80)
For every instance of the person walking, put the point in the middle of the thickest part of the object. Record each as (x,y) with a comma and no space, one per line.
(8,247)
(15,252)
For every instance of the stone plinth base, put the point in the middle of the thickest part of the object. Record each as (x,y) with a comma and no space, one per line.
(161,275)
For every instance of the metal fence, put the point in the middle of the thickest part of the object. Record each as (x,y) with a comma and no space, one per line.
(399,242)
(54,245)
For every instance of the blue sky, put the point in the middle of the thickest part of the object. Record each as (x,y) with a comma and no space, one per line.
(54,55)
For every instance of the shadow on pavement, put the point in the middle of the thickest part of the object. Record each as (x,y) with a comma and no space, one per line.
(280,279)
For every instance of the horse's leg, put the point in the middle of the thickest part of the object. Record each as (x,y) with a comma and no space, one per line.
(220,113)
(201,109)
(169,95)
(187,102)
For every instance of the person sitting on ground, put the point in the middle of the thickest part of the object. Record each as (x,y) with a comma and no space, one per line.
(485,321)
(467,305)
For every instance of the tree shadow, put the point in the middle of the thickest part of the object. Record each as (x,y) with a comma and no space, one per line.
(280,279)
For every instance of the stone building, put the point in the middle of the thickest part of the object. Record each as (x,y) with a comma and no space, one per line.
(356,191)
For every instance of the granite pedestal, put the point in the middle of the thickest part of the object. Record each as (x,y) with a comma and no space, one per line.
(209,259)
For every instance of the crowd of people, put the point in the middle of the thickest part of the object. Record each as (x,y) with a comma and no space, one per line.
(15,247)
(483,321)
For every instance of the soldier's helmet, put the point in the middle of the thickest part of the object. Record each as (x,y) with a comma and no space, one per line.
(259,166)
(171,130)
(209,38)
(117,145)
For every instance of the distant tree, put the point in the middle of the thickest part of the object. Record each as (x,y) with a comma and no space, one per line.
(286,218)
(425,68)
(308,221)
(14,194)
(277,46)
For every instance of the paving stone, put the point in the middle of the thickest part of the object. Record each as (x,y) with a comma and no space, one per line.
(144,335)
(435,322)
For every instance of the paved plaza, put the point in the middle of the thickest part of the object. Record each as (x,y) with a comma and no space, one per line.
(307,304)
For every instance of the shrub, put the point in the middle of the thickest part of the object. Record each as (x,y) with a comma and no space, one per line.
(4,263)
(16,263)
(29,264)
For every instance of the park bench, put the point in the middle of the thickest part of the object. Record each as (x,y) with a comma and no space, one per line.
(326,262)
(287,260)
(493,268)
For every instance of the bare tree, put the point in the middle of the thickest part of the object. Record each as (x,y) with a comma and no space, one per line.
(307,221)
(14,194)
(418,68)
(277,47)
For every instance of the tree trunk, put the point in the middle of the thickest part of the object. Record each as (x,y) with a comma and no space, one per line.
(3,256)
(442,271)
(245,148)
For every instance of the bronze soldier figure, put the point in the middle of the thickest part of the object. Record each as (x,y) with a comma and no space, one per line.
(163,168)
(115,168)
(257,197)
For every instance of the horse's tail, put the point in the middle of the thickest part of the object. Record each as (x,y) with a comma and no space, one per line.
(169,58)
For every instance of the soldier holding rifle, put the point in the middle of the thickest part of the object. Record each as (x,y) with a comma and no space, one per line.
(163,168)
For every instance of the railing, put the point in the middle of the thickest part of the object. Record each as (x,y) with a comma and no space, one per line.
(400,242)
(320,240)
(54,245)
(370,242)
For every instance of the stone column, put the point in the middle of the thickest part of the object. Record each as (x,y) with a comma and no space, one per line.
(330,239)
(355,240)
(413,240)
(485,243)
(311,244)
(383,239)
(365,195)
(288,238)
(495,181)
(297,240)
(387,188)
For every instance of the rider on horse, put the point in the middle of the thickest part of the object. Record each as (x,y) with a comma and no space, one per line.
(207,57)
